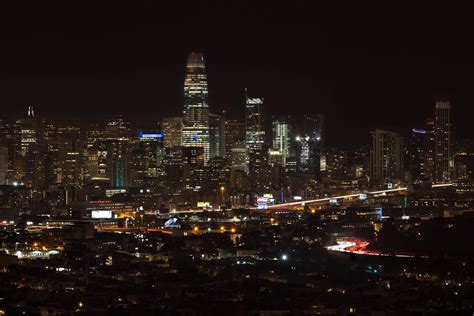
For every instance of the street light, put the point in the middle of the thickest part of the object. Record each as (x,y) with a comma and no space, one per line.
(222,194)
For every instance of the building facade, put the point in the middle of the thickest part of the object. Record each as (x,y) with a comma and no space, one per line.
(196,107)
(442,150)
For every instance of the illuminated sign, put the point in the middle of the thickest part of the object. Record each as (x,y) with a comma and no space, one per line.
(203,204)
(418,131)
(101,202)
(297,198)
(264,201)
(172,222)
(101,214)
(111,192)
(150,135)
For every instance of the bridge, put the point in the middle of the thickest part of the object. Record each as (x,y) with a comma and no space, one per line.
(327,200)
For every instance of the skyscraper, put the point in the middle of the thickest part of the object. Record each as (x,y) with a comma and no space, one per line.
(281,139)
(314,130)
(416,155)
(216,136)
(255,142)
(196,107)
(429,149)
(386,157)
(117,127)
(442,150)
(254,124)
(172,131)
(29,131)
(3,164)
(234,136)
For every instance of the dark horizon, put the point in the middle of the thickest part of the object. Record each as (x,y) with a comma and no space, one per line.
(362,71)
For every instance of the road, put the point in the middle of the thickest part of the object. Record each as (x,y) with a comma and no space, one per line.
(359,247)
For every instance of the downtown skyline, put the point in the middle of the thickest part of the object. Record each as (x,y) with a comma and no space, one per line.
(344,125)
(236,158)
(360,77)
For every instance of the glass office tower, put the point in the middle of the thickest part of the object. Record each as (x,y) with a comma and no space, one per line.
(196,106)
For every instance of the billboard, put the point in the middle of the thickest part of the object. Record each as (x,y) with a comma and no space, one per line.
(264,201)
(101,214)
(203,204)
(150,135)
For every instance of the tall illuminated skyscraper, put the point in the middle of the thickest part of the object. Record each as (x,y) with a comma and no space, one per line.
(255,142)
(442,149)
(281,139)
(254,123)
(196,106)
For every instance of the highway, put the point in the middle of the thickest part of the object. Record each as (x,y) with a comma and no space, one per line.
(339,197)
(359,247)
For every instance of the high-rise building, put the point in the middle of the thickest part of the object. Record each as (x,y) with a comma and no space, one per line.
(172,131)
(10,137)
(254,124)
(147,161)
(416,155)
(442,150)
(69,153)
(29,131)
(3,164)
(314,129)
(337,162)
(386,161)
(196,107)
(193,168)
(174,169)
(118,154)
(428,148)
(217,174)
(238,157)
(234,135)
(216,136)
(304,154)
(255,142)
(281,139)
(118,127)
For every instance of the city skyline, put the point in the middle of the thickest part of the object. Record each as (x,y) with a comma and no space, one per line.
(236,158)
(360,78)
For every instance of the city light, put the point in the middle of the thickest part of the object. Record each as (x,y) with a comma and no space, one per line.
(309,192)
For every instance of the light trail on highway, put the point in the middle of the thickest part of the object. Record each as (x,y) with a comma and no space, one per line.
(328,199)
(359,247)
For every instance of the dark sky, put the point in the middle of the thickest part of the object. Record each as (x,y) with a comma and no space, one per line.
(363,67)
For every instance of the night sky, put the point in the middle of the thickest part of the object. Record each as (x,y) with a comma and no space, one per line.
(363,67)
